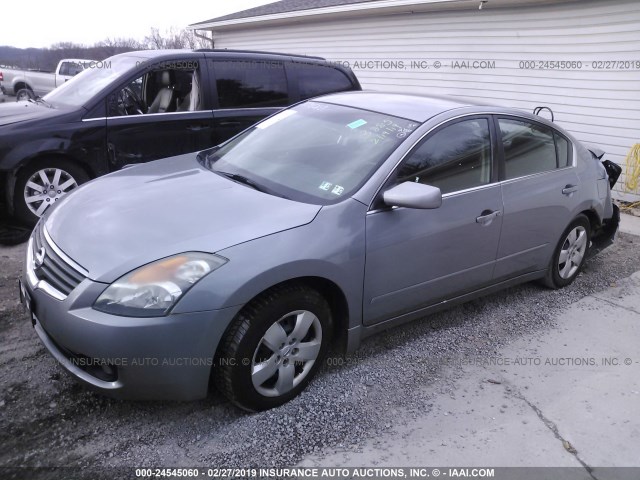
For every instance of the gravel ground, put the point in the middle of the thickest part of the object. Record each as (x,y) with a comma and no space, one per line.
(46,419)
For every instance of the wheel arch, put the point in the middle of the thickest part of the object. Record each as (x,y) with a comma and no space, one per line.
(331,292)
(61,156)
(20,85)
(594,219)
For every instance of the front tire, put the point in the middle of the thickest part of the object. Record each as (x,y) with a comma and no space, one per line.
(273,348)
(42,183)
(570,254)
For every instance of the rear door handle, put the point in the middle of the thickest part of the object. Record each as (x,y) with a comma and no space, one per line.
(569,189)
(487,216)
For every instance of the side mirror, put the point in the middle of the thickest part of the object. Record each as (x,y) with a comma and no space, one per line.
(413,195)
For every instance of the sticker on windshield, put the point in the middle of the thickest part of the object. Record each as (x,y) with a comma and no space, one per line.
(275,119)
(337,190)
(326,186)
(357,123)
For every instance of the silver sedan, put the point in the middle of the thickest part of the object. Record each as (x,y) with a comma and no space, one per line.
(337,218)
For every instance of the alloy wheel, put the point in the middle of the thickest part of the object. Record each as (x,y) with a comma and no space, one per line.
(45,187)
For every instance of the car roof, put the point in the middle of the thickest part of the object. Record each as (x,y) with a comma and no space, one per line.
(168,54)
(414,107)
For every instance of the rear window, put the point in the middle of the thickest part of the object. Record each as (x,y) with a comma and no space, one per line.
(529,148)
(314,80)
(251,84)
(562,151)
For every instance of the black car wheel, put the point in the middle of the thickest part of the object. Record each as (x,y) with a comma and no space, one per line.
(40,184)
(570,254)
(274,347)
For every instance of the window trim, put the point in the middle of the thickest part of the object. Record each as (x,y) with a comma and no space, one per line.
(554,131)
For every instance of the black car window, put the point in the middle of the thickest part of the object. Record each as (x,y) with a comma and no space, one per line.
(314,80)
(530,148)
(251,83)
(453,158)
(64,68)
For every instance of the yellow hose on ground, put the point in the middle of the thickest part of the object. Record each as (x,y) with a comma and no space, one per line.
(632,174)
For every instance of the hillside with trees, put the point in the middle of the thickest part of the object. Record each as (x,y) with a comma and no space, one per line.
(46,59)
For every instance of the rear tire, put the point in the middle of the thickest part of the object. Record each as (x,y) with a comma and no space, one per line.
(42,183)
(273,348)
(24,94)
(570,254)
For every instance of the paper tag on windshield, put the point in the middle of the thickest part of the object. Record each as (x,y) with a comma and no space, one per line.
(275,119)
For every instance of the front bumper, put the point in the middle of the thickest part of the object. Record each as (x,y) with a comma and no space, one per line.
(164,358)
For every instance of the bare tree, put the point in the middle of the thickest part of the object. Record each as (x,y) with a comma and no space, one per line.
(48,58)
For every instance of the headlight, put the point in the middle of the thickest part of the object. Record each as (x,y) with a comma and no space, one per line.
(151,290)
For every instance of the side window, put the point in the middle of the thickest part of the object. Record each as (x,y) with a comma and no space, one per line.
(251,84)
(75,68)
(453,158)
(562,151)
(528,148)
(314,80)
(170,87)
(64,69)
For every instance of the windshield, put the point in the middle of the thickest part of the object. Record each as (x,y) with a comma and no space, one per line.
(81,88)
(315,152)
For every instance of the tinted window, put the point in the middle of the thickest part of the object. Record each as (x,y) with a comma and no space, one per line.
(64,69)
(454,158)
(251,84)
(562,151)
(528,148)
(314,80)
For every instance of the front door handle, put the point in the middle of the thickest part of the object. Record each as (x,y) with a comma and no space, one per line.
(229,123)
(487,216)
(569,189)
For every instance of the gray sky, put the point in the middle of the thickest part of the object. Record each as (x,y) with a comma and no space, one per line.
(89,21)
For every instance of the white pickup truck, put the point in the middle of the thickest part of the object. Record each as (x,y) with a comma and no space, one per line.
(25,84)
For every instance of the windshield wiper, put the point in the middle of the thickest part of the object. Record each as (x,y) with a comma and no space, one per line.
(42,101)
(242,179)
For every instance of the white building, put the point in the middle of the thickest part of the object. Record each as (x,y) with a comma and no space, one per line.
(580,58)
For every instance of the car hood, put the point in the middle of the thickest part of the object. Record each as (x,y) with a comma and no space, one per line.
(14,112)
(132,217)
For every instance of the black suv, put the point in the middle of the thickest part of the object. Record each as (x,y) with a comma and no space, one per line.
(141,106)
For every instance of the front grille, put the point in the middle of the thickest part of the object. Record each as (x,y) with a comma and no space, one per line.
(53,270)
